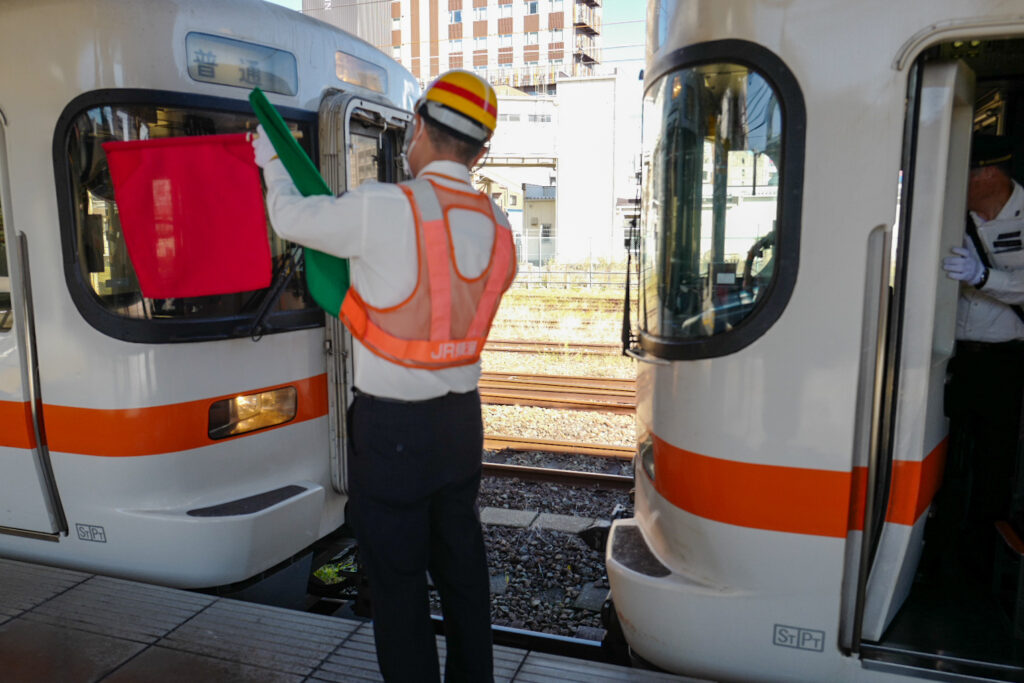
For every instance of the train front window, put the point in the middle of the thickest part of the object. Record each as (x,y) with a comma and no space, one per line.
(363,156)
(712,201)
(102,265)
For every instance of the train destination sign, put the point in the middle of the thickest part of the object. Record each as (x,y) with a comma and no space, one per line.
(226,61)
(360,72)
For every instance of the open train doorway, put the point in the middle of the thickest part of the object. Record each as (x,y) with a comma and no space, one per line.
(943,590)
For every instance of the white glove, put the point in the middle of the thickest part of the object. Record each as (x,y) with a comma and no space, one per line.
(262,149)
(964,266)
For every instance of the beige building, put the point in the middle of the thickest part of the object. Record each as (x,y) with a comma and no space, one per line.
(371,21)
(527,44)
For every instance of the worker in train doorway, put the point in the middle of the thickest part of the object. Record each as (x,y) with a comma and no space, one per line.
(430,260)
(987,372)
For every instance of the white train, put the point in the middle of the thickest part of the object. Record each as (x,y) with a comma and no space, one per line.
(805,170)
(190,442)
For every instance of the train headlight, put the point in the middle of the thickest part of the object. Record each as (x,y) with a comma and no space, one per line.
(247,413)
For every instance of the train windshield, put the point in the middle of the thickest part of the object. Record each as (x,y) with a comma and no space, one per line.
(106,271)
(712,145)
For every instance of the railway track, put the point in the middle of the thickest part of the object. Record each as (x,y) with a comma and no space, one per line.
(551,391)
(500,443)
(598,480)
(525,346)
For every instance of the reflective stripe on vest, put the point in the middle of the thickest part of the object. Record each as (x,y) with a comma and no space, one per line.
(445,321)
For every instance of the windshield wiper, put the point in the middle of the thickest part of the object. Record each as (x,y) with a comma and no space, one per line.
(284,274)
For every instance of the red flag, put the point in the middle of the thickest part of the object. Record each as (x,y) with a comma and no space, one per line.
(192,214)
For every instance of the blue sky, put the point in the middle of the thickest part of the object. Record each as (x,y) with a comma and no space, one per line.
(622,36)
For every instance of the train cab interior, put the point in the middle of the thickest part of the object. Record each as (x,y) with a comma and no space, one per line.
(963,613)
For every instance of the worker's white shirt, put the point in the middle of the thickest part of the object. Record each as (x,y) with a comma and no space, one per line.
(985,315)
(373,226)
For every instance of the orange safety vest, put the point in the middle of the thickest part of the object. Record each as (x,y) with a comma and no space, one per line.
(445,321)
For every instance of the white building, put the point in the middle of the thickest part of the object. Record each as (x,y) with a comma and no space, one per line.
(598,140)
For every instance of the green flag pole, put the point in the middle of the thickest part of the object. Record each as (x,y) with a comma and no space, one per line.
(326,276)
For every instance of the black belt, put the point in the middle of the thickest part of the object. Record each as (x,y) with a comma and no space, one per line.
(1013,346)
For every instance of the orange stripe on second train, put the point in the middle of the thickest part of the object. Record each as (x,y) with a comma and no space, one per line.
(160,429)
(16,417)
(790,499)
(914,484)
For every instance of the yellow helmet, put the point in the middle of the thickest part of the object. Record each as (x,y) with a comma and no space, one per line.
(463,103)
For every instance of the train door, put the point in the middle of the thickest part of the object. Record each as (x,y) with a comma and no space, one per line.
(360,140)
(29,504)
(912,429)
(940,618)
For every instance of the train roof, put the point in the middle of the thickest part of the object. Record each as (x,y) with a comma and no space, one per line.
(68,47)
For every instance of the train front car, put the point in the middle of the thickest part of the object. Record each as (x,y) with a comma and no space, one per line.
(195,441)
(805,168)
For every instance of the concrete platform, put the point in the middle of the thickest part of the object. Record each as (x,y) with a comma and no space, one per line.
(71,627)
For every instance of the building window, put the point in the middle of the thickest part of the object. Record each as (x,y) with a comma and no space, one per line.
(531,7)
(556,35)
(455,16)
(539,118)
(712,271)
(455,45)
(396,52)
(555,61)
(556,5)
(479,13)
(505,41)
(396,24)
(505,11)
(530,38)
(512,200)
(480,43)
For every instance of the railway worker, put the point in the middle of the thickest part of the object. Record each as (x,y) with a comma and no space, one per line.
(416,427)
(987,371)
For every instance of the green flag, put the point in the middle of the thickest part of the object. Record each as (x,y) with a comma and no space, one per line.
(326,275)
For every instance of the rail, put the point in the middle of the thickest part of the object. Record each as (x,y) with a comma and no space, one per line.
(551,391)
(567,477)
(512,443)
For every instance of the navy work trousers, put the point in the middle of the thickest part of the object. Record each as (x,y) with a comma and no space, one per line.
(414,475)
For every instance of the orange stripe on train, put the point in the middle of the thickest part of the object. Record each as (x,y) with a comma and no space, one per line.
(16,417)
(160,429)
(790,499)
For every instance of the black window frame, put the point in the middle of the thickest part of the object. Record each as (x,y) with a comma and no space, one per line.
(791,174)
(158,331)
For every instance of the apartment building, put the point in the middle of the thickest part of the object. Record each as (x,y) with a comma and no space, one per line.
(370,20)
(525,44)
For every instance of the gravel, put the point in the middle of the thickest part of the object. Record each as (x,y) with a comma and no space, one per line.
(537,576)
(544,580)
(531,422)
